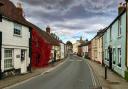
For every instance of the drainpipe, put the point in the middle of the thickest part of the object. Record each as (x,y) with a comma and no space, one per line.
(0,54)
(1,4)
(30,50)
(126,29)
(102,53)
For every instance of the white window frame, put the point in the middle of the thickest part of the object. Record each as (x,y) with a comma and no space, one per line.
(17,27)
(119,57)
(110,33)
(8,58)
(119,27)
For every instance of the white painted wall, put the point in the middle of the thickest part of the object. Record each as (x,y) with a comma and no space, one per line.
(15,42)
(62,50)
(85,48)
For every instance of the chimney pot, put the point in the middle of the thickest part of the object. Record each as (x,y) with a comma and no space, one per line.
(121,7)
(48,29)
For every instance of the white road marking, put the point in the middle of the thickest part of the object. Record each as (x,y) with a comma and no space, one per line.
(75,60)
(92,74)
(22,82)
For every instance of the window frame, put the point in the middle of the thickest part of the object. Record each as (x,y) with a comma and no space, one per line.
(8,57)
(119,57)
(114,56)
(119,27)
(17,27)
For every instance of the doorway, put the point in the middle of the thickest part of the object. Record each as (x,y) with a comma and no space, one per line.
(110,57)
(23,61)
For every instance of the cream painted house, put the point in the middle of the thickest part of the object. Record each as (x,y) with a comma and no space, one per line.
(94,48)
(75,47)
(99,48)
(97,51)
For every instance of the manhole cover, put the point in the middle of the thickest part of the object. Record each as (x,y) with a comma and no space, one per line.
(116,83)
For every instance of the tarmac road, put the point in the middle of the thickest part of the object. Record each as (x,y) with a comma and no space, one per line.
(73,74)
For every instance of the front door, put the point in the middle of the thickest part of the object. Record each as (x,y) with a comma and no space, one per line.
(110,57)
(23,61)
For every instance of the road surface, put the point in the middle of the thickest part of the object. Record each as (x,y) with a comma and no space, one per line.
(73,74)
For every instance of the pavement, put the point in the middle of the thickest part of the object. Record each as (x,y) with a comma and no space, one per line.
(74,73)
(113,81)
(13,80)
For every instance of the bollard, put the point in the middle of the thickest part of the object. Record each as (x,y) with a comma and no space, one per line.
(105,72)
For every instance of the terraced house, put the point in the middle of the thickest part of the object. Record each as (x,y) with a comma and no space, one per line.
(97,51)
(114,43)
(14,40)
(94,49)
(23,45)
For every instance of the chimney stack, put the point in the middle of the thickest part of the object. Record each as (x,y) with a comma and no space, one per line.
(121,7)
(48,29)
(20,9)
(1,4)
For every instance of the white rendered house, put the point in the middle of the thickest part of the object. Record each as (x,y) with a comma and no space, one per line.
(15,46)
(14,40)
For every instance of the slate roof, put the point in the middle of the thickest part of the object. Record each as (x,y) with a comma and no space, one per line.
(11,12)
(85,44)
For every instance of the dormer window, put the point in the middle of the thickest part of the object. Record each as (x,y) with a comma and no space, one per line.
(17,29)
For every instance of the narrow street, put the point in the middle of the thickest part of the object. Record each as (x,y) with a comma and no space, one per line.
(73,74)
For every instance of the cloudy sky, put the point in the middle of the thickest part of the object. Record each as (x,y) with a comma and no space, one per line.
(71,19)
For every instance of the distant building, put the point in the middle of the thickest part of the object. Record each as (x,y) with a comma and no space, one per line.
(77,45)
(86,49)
(69,47)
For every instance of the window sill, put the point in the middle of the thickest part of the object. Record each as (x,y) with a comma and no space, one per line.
(8,69)
(110,41)
(119,36)
(119,65)
(114,62)
(17,35)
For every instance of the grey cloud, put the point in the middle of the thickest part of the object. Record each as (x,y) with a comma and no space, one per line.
(58,12)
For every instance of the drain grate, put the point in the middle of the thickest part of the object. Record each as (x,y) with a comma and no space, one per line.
(96,87)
